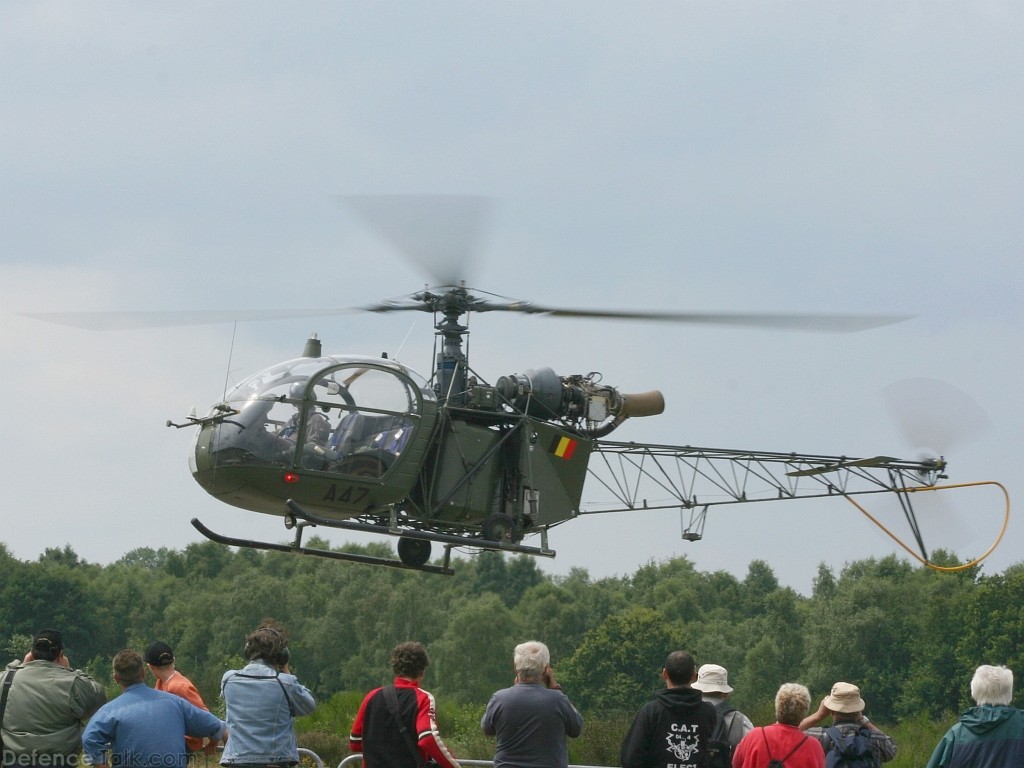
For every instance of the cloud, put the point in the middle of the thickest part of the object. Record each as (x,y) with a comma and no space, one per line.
(792,158)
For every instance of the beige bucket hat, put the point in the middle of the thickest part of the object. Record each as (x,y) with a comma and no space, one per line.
(711,678)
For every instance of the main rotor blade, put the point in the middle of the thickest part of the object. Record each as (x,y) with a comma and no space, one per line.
(838,322)
(440,233)
(448,297)
(122,321)
(112,321)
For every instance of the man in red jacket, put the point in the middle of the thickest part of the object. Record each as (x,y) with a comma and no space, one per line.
(397,719)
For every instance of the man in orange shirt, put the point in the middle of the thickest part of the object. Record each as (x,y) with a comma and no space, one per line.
(160,658)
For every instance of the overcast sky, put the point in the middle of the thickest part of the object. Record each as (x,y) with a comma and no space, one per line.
(719,156)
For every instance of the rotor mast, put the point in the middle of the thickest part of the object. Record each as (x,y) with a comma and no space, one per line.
(451,364)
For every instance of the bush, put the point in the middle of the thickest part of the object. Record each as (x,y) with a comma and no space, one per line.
(915,740)
(329,747)
(325,732)
(335,715)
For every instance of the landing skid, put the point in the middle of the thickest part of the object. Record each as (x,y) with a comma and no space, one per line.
(298,519)
(296,548)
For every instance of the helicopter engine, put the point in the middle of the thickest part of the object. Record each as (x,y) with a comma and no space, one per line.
(593,408)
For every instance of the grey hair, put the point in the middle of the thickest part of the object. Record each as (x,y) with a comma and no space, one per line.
(992,685)
(792,703)
(530,659)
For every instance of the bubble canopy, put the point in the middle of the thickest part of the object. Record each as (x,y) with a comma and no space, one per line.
(333,415)
(376,382)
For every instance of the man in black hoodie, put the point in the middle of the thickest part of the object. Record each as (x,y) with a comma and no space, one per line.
(672,729)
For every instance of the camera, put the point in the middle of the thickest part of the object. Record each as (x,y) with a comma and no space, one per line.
(282,657)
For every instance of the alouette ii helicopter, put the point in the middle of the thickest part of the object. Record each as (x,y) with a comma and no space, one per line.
(367,444)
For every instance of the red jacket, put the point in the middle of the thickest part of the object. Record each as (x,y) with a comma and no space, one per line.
(778,742)
(382,744)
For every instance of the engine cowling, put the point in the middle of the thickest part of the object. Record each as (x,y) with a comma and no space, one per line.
(595,409)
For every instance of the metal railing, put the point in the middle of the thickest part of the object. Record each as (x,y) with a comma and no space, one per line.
(354,760)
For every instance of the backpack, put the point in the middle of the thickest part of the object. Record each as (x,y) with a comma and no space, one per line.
(853,751)
(719,747)
(772,762)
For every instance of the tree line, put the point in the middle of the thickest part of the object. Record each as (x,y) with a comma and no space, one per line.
(908,636)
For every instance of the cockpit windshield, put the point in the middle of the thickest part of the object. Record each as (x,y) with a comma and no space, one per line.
(320,413)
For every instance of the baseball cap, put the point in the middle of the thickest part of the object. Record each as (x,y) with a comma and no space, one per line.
(159,654)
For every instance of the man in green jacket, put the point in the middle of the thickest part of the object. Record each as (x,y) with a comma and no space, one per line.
(990,735)
(46,706)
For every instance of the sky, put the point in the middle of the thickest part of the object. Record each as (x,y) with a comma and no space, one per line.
(705,156)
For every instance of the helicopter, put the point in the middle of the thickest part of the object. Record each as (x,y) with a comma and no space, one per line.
(369,445)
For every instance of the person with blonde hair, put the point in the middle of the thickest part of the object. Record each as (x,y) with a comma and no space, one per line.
(990,734)
(782,741)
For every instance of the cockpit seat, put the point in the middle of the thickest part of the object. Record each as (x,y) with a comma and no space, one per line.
(380,432)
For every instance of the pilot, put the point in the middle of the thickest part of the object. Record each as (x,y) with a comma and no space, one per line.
(318,427)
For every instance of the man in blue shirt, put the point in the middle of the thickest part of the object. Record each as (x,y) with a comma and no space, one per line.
(532,719)
(144,728)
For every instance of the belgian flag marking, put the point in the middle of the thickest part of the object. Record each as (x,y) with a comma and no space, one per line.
(563,447)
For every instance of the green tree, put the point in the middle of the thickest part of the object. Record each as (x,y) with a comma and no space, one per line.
(618,664)
(66,556)
(490,573)
(865,633)
(473,657)
(933,685)
(824,585)
(556,616)
(523,574)
(909,636)
(146,557)
(759,583)
(53,592)
(991,627)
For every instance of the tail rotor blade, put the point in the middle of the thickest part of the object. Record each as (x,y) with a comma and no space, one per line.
(935,418)
(935,415)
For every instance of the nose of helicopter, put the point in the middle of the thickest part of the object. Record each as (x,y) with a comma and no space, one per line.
(254,488)
(217,481)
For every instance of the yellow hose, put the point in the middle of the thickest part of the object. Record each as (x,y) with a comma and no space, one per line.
(923,561)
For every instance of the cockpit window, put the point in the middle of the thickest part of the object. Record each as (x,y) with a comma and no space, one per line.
(366,388)
(324,414)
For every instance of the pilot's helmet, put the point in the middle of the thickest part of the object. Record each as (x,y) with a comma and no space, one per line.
(297,390)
